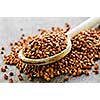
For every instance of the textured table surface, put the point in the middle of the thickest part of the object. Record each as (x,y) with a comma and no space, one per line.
(10,31)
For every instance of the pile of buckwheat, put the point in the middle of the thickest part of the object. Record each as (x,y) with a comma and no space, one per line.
(46,44)
(84,52)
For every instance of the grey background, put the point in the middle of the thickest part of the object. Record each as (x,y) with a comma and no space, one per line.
(10,32)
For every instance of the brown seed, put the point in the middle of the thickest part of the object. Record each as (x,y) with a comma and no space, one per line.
(6,67)
(96,66)
(3,69)
(70,72)
(2,48)
(16,43)
(48,79)
(11,44)
(86,67)
(74,74)
(79,72)
(20,77)
(52,75)
(10,80)
(21,38)
(5,76)
(66,78)
(23,35)
(58,73)
(2,52)
(30,79)
(11,73)
(96,71)
(86,72)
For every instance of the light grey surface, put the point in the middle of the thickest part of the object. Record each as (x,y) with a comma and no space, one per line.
(10,32)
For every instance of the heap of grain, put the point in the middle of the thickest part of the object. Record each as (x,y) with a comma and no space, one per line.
(85,50)
(46,44)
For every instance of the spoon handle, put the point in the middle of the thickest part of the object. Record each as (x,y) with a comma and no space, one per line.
(91,22)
